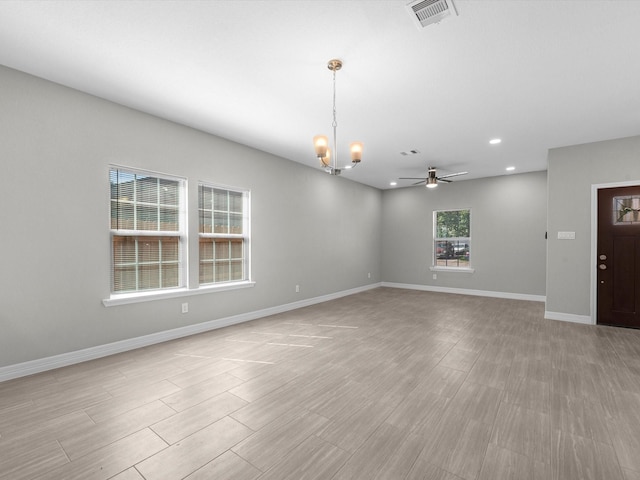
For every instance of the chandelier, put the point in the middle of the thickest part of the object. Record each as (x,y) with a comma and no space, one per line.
(321,142)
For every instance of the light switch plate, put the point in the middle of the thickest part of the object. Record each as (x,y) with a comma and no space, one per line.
(566,235)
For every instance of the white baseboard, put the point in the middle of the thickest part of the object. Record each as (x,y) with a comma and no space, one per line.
(71,358)
(569,317)
(464,291)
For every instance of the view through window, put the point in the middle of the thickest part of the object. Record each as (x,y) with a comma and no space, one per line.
(452,238)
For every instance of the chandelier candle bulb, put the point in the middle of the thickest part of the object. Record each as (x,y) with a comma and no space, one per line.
(321,142)
(356,152)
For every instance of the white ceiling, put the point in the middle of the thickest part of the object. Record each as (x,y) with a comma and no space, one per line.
(538,74)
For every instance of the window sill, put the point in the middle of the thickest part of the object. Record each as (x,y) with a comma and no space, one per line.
(453,269)
(126,298)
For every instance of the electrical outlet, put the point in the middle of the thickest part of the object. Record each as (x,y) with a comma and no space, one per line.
(185,308)
(369,275)
(435,276)
(297,288)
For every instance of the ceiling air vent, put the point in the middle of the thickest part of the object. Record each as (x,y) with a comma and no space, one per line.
(426,12)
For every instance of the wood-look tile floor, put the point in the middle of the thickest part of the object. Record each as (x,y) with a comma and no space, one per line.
(387,384)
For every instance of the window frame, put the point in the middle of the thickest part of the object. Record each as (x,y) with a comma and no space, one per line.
(180,233)
(245,236)
(435,239)
(188,230)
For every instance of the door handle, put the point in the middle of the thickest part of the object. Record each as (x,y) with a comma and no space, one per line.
(602,266)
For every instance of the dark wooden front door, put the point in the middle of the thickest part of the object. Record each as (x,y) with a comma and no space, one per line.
(618,252)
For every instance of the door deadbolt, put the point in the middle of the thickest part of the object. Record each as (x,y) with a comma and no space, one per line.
(603,257)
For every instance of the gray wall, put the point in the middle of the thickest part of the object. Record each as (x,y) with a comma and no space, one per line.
(507,233)
(572,172)
(56,144)
(323,233)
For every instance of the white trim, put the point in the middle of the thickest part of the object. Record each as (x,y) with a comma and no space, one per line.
(148,172)
(71,358)
(568,317)
(593,318)
(465,291)
(137,297)
(453,269)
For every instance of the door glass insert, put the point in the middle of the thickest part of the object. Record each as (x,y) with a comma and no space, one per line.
(626,210)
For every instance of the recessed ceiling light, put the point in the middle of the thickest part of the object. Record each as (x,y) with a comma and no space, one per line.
(510,169)
(393,184)
(495,141)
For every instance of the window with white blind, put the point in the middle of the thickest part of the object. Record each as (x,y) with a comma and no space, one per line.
(224,234)
(147,231)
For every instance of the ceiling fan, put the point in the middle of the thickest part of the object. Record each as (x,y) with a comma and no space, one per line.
(431,181)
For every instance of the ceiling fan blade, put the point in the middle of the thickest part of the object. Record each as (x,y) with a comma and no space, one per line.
(444,180)
(452,175)
(412,178)
(418,183)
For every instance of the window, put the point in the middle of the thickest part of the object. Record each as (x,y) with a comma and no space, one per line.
(452,239)
(224,234)
(147,231)
(150,237)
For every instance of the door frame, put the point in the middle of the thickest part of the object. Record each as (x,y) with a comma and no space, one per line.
(594,239)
